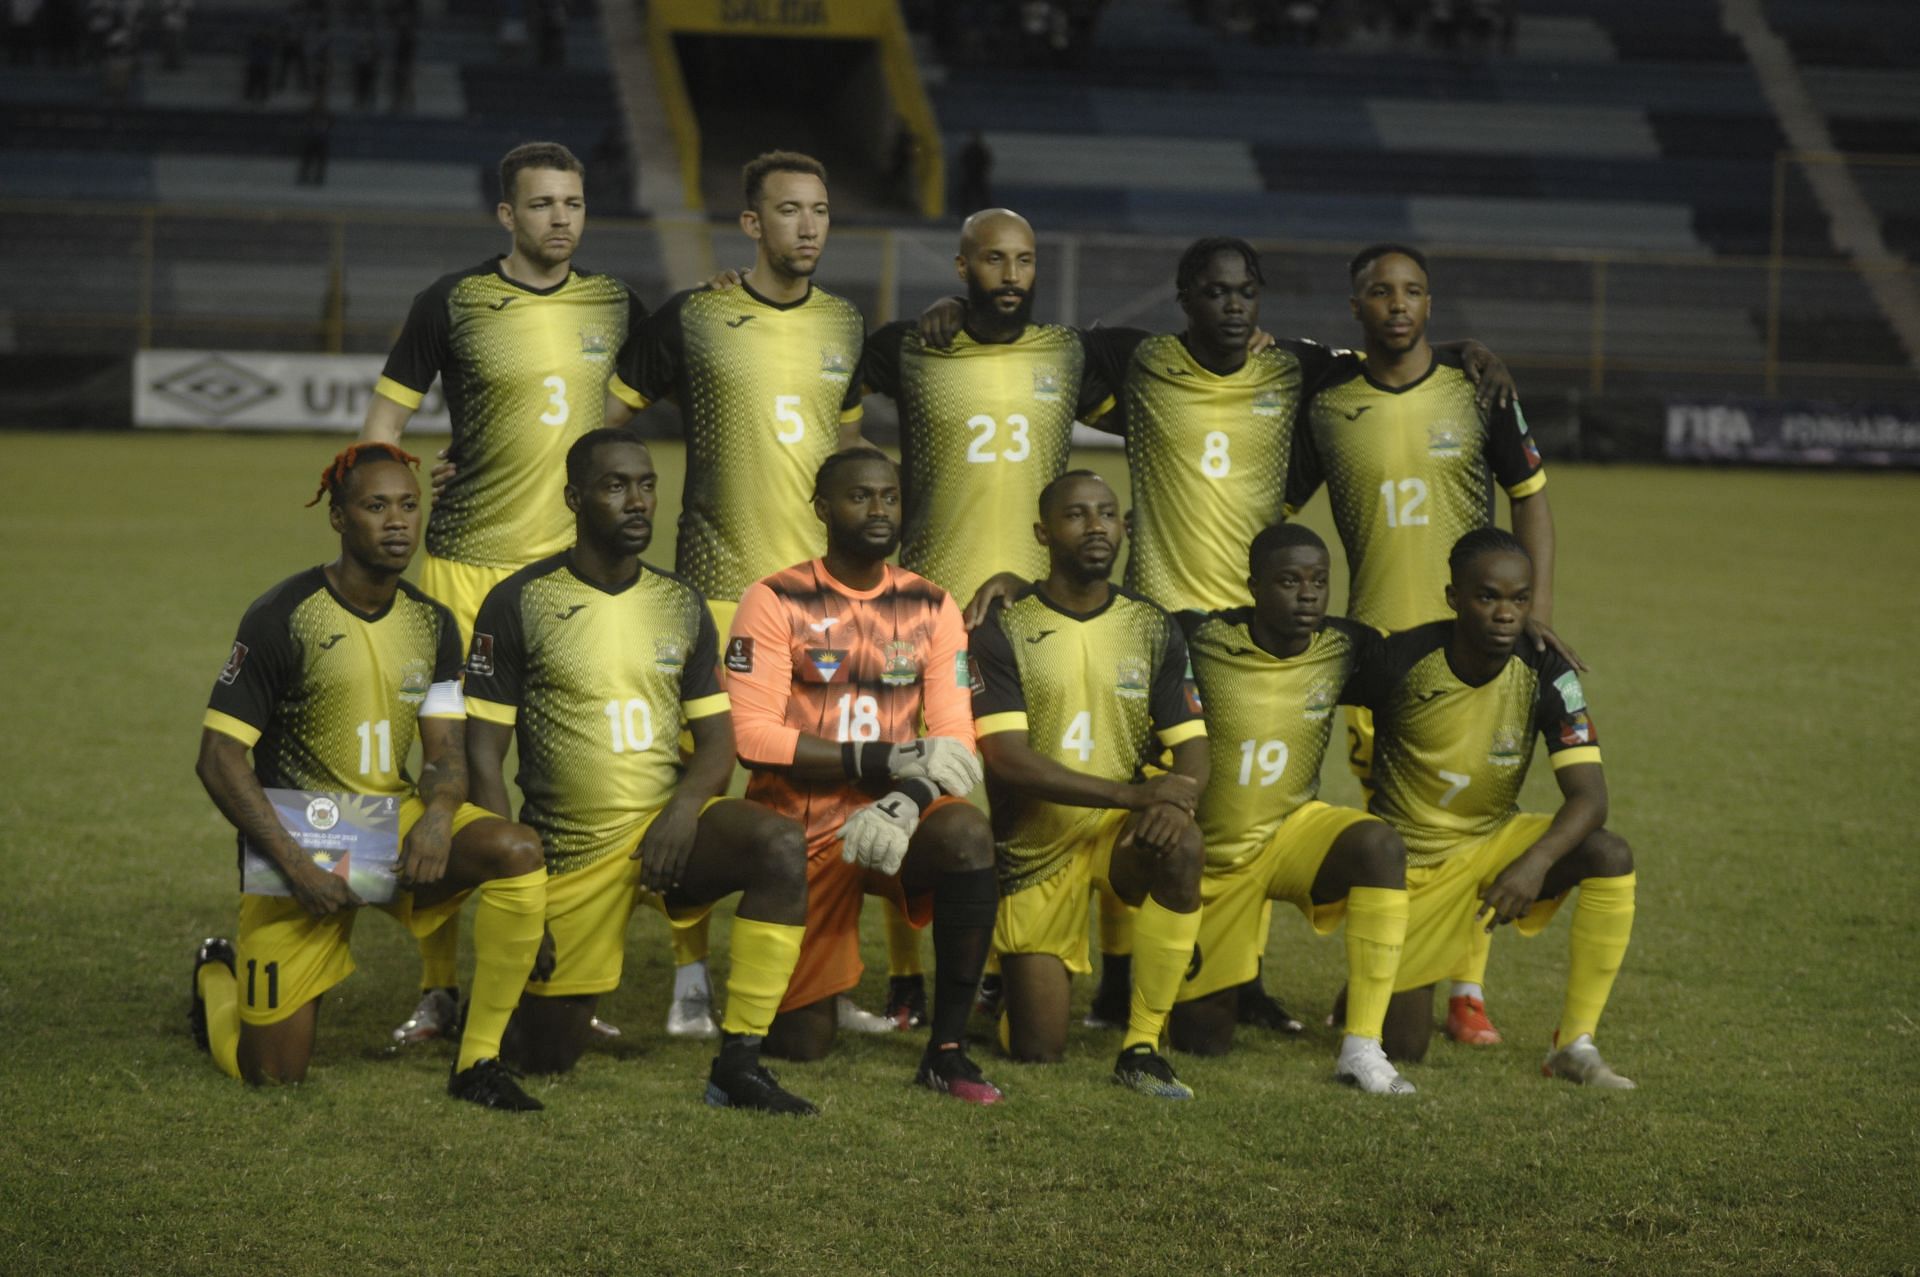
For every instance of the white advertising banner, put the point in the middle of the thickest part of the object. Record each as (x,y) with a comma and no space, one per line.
(253,390)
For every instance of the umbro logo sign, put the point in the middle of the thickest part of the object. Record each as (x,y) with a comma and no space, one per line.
(737,323)
(569,613)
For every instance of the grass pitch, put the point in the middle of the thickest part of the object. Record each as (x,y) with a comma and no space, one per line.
(1752,638)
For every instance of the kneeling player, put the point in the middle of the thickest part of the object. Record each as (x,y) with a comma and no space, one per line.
(1080,684)
(1456,705)
(831,666)
(595,662)
(333,672)
(1270,676)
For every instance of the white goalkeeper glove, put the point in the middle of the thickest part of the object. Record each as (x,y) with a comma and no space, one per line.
(940,759)
(876,836)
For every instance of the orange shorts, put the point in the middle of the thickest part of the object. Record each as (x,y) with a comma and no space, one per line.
(830,952)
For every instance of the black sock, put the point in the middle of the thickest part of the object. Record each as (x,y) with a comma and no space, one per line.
(741,1047)
(964,905)
(1116,977)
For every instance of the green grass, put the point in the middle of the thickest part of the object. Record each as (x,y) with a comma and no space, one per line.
(1752,638)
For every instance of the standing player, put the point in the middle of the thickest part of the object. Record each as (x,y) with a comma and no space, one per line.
(1079,685)
(1270,676)
(595,662)
(832,666)
(333,672)
(1410,453)
(766,377)
(1456,706)
(523,344)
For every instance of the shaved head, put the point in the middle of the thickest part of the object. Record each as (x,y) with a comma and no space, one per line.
(997,263)
(987,223)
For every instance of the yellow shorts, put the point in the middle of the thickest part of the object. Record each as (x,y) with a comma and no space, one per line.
(286,957)
(587,912)
(1051,915)
(1442,899)
(1233,901)
(462,587)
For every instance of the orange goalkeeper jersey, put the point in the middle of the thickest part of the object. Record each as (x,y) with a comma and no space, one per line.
(808,654)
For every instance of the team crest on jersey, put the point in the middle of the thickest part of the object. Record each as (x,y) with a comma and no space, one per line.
(595,344)
(235,659)
(1269,403)
(1321,698)
(1576,729)
(1046,384)
(826,661)
(1509,748)
(480,659)
(834,366)
(415,677)
(902,666)
(669,654)
(1131,678)
(1443,438)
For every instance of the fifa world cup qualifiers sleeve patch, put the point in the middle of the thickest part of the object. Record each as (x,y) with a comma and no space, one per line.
(740,654)
(235,660)
(1176,697)
(480,660)
(700,693)
(1565,721)
(258,665)
(1513,454)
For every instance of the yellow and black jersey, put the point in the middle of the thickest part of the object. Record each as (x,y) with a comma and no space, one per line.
(1100,692)
(984,426)
(1449,757)
(763,388)
(597,685)
(1268,722)
(1207,456)
(327,696)
(525,374)
(1409,471)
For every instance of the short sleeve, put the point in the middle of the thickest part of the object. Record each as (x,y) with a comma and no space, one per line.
(1315,360)
(263,659)
(999,702)
(1512,453)
(648,365)
(1109,351)
(701,695)
(1562,717)
(880,361)
(496,661)
(420,353)
(1177,712)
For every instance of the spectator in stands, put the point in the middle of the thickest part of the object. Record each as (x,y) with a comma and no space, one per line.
(366,70)
(976,176)
(316,146)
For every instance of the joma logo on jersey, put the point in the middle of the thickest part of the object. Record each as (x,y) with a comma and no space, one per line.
(835,366)
(1269,403)
(415,677)
(902,666)
(1320,700)
(1046,384)
(1443,439)
(1509,748)
(669,654)
(1130,679)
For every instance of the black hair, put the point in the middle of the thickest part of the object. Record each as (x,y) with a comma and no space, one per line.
(1052,490)
(1374,252)
(1482,541)
(580,455)
(754,173)
(1280,536)
(1203,251)
(535,155)
(333,480)
(846,456)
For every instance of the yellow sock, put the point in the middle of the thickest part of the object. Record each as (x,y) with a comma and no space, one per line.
(689,941)
(1376,929)
(1602,924)
(440,957)
(1116,924)
(221,993)
(903,942)
(1474,969)
(1162,948)
(762,958)
(506,936)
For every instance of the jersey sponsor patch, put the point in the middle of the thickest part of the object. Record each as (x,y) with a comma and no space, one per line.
(740,654)
(235,659)
(480,657)
(1572,695)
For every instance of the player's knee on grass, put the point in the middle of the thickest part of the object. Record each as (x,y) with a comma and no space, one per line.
(961,837)
(802,1034)
(1606,854)
(1037,989)
(1204,1026)
(1409,1026)
(778,865)
(548,1035)
(277,1054)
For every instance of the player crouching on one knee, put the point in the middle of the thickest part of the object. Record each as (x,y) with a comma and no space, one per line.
(595,662)
(332,674)
(1270,676)
(1456,707)
(1079,685)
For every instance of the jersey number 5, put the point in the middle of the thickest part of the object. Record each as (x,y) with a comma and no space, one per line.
(793,426)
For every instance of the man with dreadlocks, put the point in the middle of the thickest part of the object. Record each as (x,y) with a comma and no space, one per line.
(334,673)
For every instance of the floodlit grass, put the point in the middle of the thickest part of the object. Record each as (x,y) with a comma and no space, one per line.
(1752,638)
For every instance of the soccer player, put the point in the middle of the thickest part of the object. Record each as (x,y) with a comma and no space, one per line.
(1456,706)
(832,666)
(524,344)
(1409,452)
(766,377)
(334,673)
(1270,676)
(1079,685)
(595,662)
